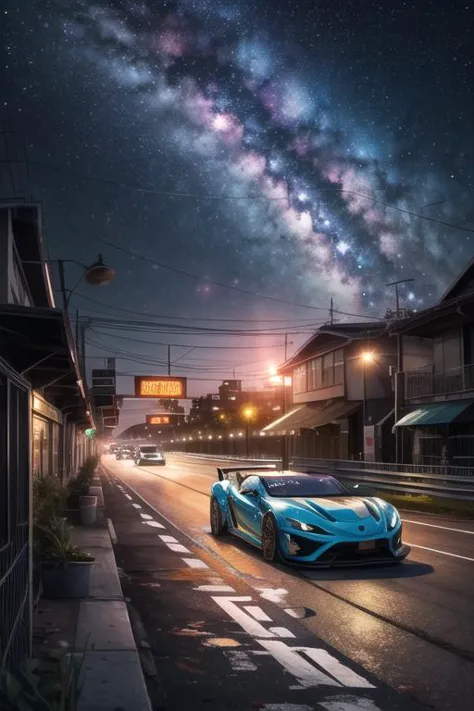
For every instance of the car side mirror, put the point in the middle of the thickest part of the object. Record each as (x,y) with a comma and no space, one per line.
(250,492)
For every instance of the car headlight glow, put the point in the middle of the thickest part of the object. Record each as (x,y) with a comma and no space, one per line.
(393,519)
(307,527)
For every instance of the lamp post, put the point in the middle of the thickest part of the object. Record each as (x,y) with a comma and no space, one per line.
(284,382)
(248,412)
(367,357)
(96,274)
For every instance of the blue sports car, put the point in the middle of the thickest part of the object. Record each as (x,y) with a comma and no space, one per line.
(310,519)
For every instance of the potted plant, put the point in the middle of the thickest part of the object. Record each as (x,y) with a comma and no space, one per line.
(49,498)
(43,685)
(65,569)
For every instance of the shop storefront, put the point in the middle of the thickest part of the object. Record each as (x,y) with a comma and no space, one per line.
(46,429)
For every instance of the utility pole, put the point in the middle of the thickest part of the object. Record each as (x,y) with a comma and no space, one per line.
(286,347)
(331,312)
(169,360)
(397,293)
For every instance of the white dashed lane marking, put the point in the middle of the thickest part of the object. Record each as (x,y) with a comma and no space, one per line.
(215,588)
(147,517)
(137,506)
(178,548)
(195,563)
(168,539)
(127,496)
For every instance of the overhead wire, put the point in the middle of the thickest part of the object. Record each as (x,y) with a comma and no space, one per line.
(196,196)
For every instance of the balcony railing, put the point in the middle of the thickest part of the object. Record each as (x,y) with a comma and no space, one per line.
(426,381)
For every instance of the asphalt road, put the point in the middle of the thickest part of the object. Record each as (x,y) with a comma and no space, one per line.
(409,627)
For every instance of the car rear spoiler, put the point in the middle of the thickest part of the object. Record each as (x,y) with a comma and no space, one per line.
(223,471)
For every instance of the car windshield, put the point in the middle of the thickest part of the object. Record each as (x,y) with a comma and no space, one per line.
(304,486)
(149,450)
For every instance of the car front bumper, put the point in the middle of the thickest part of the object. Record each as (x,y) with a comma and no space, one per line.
(302,549)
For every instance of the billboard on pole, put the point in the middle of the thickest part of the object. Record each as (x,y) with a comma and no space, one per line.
(160,386)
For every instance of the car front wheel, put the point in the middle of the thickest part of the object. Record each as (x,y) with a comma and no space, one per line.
(218,525)
(270,549)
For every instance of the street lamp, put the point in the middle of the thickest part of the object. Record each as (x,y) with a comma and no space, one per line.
(96,274)
(367,357)
(281,381)
(248,412)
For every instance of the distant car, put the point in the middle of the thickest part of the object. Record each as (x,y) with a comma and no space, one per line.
(149,454)
(306,519)
(124,452)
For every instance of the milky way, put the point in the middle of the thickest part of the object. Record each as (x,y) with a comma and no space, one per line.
(311,185)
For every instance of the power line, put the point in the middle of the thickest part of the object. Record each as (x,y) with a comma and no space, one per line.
(195,196)
(188,318)
(196,277)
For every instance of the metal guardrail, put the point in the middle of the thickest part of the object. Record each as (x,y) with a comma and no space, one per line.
(378,475)
(227,457)
(437,481)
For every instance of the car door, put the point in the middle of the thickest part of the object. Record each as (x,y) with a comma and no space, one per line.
(245,506)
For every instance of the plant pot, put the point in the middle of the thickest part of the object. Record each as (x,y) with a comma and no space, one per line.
(67,580)
(88,509)
(97,491)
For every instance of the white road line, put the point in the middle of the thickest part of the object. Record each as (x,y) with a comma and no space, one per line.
(434,550)
(112,534)
(258,613)
(292,659)
(137,506)
(275,595)
(168,539)
(178,548)
(147,517)
(153,524)
(195,563)
(215,588)
(127,496)
(443,528)
(240,661)
(349,703)
(251,626)
(282,632)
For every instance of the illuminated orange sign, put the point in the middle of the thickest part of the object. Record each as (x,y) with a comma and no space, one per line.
(158,419)
(160,386)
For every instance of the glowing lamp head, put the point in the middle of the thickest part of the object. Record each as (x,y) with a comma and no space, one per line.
(248,412)
(99,274)
(368,357)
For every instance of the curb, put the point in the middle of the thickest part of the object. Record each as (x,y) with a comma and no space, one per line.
(113,677)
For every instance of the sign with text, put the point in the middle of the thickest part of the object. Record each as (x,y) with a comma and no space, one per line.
(160,386)
(158,419)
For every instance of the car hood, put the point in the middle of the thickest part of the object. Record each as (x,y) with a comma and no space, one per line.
(340,508)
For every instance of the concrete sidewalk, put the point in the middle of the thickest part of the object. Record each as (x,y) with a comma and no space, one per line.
(112,675)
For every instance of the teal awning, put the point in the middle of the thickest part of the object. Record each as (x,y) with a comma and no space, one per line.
(442,413)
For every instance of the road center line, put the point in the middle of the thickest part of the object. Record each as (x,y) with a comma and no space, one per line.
(435,550)
(443,528)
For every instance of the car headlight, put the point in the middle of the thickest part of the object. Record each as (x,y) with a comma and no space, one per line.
(307,527)
(393,519)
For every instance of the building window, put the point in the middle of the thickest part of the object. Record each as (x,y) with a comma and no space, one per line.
(339,367)
(301,379)
(328,370)
(41,445)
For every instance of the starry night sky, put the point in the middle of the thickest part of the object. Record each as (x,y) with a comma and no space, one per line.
(271,147)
